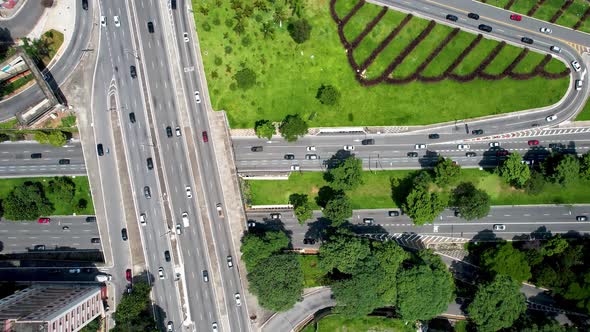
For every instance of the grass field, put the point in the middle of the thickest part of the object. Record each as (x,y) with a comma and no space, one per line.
(289,74)
(312,276)
(585,114)
(61,207)
(376,192)
(54,39)
(339,323)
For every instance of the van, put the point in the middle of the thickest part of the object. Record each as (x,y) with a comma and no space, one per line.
(185,219)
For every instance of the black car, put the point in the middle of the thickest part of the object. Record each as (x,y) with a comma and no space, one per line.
(412,154)
(256,149)
(90,219)
(36,156)
(150,163)
(133,71)
(85,4)
(393,213)
(147,192)
(526,40)
(173,4)
(39,247)
(473,16)
(150,27)
(64,162)
(434,136)
(470,154)
(485,28)
(582,218)
(368,141)
(452,18)
(95,240)
(167,255)
(289,156)
(477,132)
(308,241)
(132,117)
(99,149)
(169,131)
(124,234)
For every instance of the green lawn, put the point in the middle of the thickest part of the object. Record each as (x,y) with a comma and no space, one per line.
(504,59)
(61,207)
(288,75)
(356,26)
(339,323)
(376,192)
(54,39)
(312,276)
(448,54)
(530,62)
(10,124)
(476,56)
(585,114)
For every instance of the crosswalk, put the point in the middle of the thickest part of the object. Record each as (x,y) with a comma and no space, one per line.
(413,240)
(533,133)
(579,48)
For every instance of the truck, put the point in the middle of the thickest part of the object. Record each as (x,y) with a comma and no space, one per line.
(219,210)
(103,277)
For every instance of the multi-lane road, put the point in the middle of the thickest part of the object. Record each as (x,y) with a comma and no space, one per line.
(16,160)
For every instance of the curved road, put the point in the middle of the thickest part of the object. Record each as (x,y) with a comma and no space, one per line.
(23,22)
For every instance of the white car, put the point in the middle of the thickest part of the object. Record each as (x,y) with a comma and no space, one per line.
(142,219)
(499,227)
(551,118)
(420,146)
(178,229)
(214,326)
(161,273)
(185,36)
(546,30)
(348,148)
(230,262)
(555,49)
(311,148)
(494,144)
(463,147)
(197,97)
(238,299)
(103,21)
(576,65)
(295,167)
(178,134)
(579,84)
(117,22)
(189,193)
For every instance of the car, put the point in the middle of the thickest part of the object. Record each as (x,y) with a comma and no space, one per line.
(124,234)
(516,17)
(128,275)
(39,247)
(185,37)
(150,26)
(90,219)
(147,192)
(308,241)
(275,216)
(169,131)
(485,28)
(150,163)
(470,154)
(117,22)
(64,162)
(473,16)
(528,162)
(295,167)
(311,148)
(579,84)
(219,209)
(501,153)
(463,146)
(311,156)
(178,229)
(556,146)
(95,240)
(526,40)
(167,255)
(189,192)
(369,221)
(576,65)
(533,142)
(103,21)
(420,146)
(230,262)
(214,326)
(348,148)
(173,4)
(451,17)
(133,71)
(535,125)
(251,224)
(546,30)
(36,155)
(132,117)
(368,141)
(44,220)
(555,49)
(170,327)
(412,154)
(551,118)
(582,218)
(393,213)
(74,271)
(185,221)
(197,97)
(256,149)
(499,227)
(433,136)
(238,299)
(494,144)
(85,4)
(477,132)
(205,276)
(178,133)
(66,228)
(99,149)
(161,273)
(205,137)
(289,156)
(143,219)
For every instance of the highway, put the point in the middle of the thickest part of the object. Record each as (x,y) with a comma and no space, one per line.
(16,161)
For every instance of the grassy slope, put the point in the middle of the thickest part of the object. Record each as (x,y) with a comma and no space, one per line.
(312,276)
(338,323)
(55,39)
(289,75)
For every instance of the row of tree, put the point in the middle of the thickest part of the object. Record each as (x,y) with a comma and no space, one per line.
(134,311)
(290,128)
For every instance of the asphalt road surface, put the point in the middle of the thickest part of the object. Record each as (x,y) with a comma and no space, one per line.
(16,161)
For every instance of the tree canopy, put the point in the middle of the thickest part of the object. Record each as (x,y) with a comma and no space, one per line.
(328,95)
(246,78)
(264,129)
(343,253)
(445,171)
(63,187)
(133,312)
(26,202)
(292,127)
(346,175)
(422,205)
(567,170)
(277,281)
(299,30)
(301,206)
(338,209)
(514,171)
(259,246)
(55,138)
(471,202)
(504,259)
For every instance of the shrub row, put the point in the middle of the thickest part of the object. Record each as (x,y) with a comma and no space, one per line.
(560,11)
(368,61)
(509,4)
(368,28)
(535,7)
(353,11)
(582,19)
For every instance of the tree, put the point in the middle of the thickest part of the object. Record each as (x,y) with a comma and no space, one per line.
(497,304)
(62,187)
(292,127)
(422,205)
(277,281)
(264,129)
(268,30)
(300,30)
(514,171)
(338,209)
(328,95)
(26,202)
(296,7)
(57,138)
(343,253)
(257,247)
(535,184)
(41,137)
(506,260)
(301,206)
(585,166)
(471,202)
(445,171)
(246,78)
(556,245)
(390,256)
(347,175)
(133,312)
(567,170)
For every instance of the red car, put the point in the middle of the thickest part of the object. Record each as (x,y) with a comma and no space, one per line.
(44,220)
(205,137)
(533,142)
(515,17)
(501,153)
(128,275)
